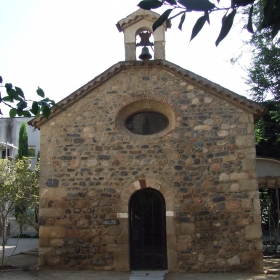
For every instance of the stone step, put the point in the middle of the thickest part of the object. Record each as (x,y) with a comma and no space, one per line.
(148,275)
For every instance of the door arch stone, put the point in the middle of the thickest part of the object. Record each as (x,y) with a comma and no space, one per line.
(122,257)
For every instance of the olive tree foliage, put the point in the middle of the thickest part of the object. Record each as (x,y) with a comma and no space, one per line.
(270,12)
(21,106)
(263,74)
(29,180)
(18,186)
(23,141)
(22,152)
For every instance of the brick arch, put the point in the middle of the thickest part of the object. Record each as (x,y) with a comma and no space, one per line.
(146,97)
(126,192)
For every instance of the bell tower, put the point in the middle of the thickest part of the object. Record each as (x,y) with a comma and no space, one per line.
(140,24)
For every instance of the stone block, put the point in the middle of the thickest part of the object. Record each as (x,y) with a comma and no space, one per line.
(171,242)
(44,242)
(184,242)
(123,239)
(233,205)
(72,233)
(222,133)
(233,261)
(52,183)
(229,158)
(53,260)
(201,258)
(203,127)
(243,118)
(238,176)
(170,225)
(248,184)
(186,228)
(51,212)
(114,230)
(51,232)
(172,260)
(252,255)
(245,141)
(253,232)
(52,192)
(117,247)
(234,187)
(121,261)
(57,242)
(221,262)
(224,177)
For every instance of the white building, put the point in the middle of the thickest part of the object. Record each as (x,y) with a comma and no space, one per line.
(9,134)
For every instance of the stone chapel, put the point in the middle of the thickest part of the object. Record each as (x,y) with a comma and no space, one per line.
(150,167)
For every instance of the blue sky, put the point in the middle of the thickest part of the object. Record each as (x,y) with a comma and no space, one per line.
(60,45)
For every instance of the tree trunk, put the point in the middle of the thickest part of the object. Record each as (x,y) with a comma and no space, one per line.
(3,233)
(277,222)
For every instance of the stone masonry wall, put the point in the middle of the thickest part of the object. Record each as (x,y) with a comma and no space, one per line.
(205,168)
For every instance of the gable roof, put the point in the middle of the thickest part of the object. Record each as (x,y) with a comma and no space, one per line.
(139,15)
(213,88)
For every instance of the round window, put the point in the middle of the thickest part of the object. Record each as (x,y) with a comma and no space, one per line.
(146,123)
(146,118)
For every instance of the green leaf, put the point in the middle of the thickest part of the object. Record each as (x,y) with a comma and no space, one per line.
(226,26)
(26,114)
(275,29)
(241,3)
(197,5)
(171,2)
(12,113)
(52,102)
(35,108)
(40,92)
(44,103)
(7,99)
(8,86)
(198,26)
(268,13)
(150,4)
(250,24)
(224,17)
(207,16)
(38,112)
(20,92)
(22,105)
(183,17)
(12,94)
(161,19)
(46,111)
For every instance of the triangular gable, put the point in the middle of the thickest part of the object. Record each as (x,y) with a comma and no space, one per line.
(213,88)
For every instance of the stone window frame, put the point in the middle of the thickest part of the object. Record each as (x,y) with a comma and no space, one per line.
(132,107)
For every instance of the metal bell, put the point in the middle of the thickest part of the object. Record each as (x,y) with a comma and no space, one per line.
(145,55)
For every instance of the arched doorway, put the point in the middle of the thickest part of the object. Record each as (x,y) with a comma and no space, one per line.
(147,224)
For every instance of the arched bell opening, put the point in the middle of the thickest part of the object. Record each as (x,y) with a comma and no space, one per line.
(144,44)
(147,229)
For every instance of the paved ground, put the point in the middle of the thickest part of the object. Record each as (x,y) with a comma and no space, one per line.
(15,246)
(47,274)
(26,259)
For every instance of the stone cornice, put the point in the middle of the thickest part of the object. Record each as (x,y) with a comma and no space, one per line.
(138,15)
(215,89)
